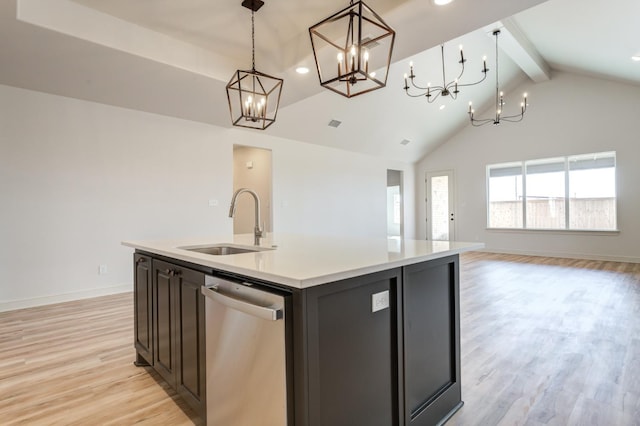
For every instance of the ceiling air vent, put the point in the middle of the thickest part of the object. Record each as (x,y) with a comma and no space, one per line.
(405,142)
(334,123)
(366,41)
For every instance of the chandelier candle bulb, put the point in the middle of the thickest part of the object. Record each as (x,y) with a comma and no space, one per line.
(353,58)
(366,62)
(461,55)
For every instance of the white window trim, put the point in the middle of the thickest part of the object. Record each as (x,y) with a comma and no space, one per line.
(566,229)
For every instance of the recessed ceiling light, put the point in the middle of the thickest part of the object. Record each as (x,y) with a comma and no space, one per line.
(302,70)
(442,107)
(635,58)
(441,2)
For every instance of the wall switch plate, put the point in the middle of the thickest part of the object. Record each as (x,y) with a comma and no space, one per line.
(213,202)
(102,270)
(380,301)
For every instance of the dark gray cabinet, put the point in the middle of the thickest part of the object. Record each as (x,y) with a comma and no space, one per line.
(169,328)
(164,321)
(431,323)
(352,352)
(190,339)
(397,366)
(352,359)
(143,309)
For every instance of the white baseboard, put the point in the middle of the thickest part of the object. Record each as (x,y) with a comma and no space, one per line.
(67,297)
(627,259)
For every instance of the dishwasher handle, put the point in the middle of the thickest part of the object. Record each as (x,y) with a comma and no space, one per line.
(263,312)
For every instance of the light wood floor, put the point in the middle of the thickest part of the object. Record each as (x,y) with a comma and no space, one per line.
(544,342)
(549,341)
(72,364)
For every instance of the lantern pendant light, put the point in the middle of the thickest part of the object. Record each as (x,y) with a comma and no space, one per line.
(352,50)
(253,96)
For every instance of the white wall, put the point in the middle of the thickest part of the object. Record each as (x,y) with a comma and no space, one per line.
(570,114)
(77,178)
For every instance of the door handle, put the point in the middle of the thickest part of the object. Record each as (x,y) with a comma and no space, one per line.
(263,312)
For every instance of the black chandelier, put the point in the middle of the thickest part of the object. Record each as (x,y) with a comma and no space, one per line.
(499,102)
(352,50)
(253,96)
(447,89)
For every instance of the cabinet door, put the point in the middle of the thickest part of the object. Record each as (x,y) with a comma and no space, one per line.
(352,352)
(431,341)
(190,339)
(164,297)
(143,312)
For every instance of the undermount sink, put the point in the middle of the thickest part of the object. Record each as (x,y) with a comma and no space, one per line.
(224,250)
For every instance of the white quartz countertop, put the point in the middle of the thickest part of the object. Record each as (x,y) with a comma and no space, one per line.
(301,261)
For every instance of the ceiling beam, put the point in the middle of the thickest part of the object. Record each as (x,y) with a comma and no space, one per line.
(515,43)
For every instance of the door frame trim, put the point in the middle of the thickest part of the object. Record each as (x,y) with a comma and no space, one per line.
(452,200)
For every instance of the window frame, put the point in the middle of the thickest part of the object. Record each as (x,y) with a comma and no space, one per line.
(567,200)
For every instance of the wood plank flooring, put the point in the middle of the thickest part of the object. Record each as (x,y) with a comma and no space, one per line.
(549,341)
(72,364)
(544,342)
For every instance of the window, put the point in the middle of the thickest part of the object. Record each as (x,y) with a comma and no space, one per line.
(545,200)
(505,196)
(576,192)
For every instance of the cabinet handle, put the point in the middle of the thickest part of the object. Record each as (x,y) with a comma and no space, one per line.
(173,272)
(141,260)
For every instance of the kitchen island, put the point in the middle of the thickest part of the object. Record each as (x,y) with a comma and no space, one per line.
(372,325)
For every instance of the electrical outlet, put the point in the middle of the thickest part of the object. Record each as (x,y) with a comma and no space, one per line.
(102,270)
(213,202)
(380,301)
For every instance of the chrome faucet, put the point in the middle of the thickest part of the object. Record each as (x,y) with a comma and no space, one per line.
(257,232)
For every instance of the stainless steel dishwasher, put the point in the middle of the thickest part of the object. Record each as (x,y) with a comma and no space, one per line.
(246,358)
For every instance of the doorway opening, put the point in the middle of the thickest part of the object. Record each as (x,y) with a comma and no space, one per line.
(395,211)
(252,169)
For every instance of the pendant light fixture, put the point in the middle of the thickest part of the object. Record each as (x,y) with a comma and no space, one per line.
(447,89)
(352,49)
(499,117)
(253,96)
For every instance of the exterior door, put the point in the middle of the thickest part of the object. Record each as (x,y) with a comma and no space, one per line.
(440,200)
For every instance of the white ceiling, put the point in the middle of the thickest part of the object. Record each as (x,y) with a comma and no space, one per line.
(175,58)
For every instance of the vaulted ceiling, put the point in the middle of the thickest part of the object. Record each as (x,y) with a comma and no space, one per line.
(175,57)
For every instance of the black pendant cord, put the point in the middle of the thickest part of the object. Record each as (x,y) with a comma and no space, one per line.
(444,76)
(253,42)
(498,102)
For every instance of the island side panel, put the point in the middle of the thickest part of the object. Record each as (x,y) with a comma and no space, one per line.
(431,341)
(352,352)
